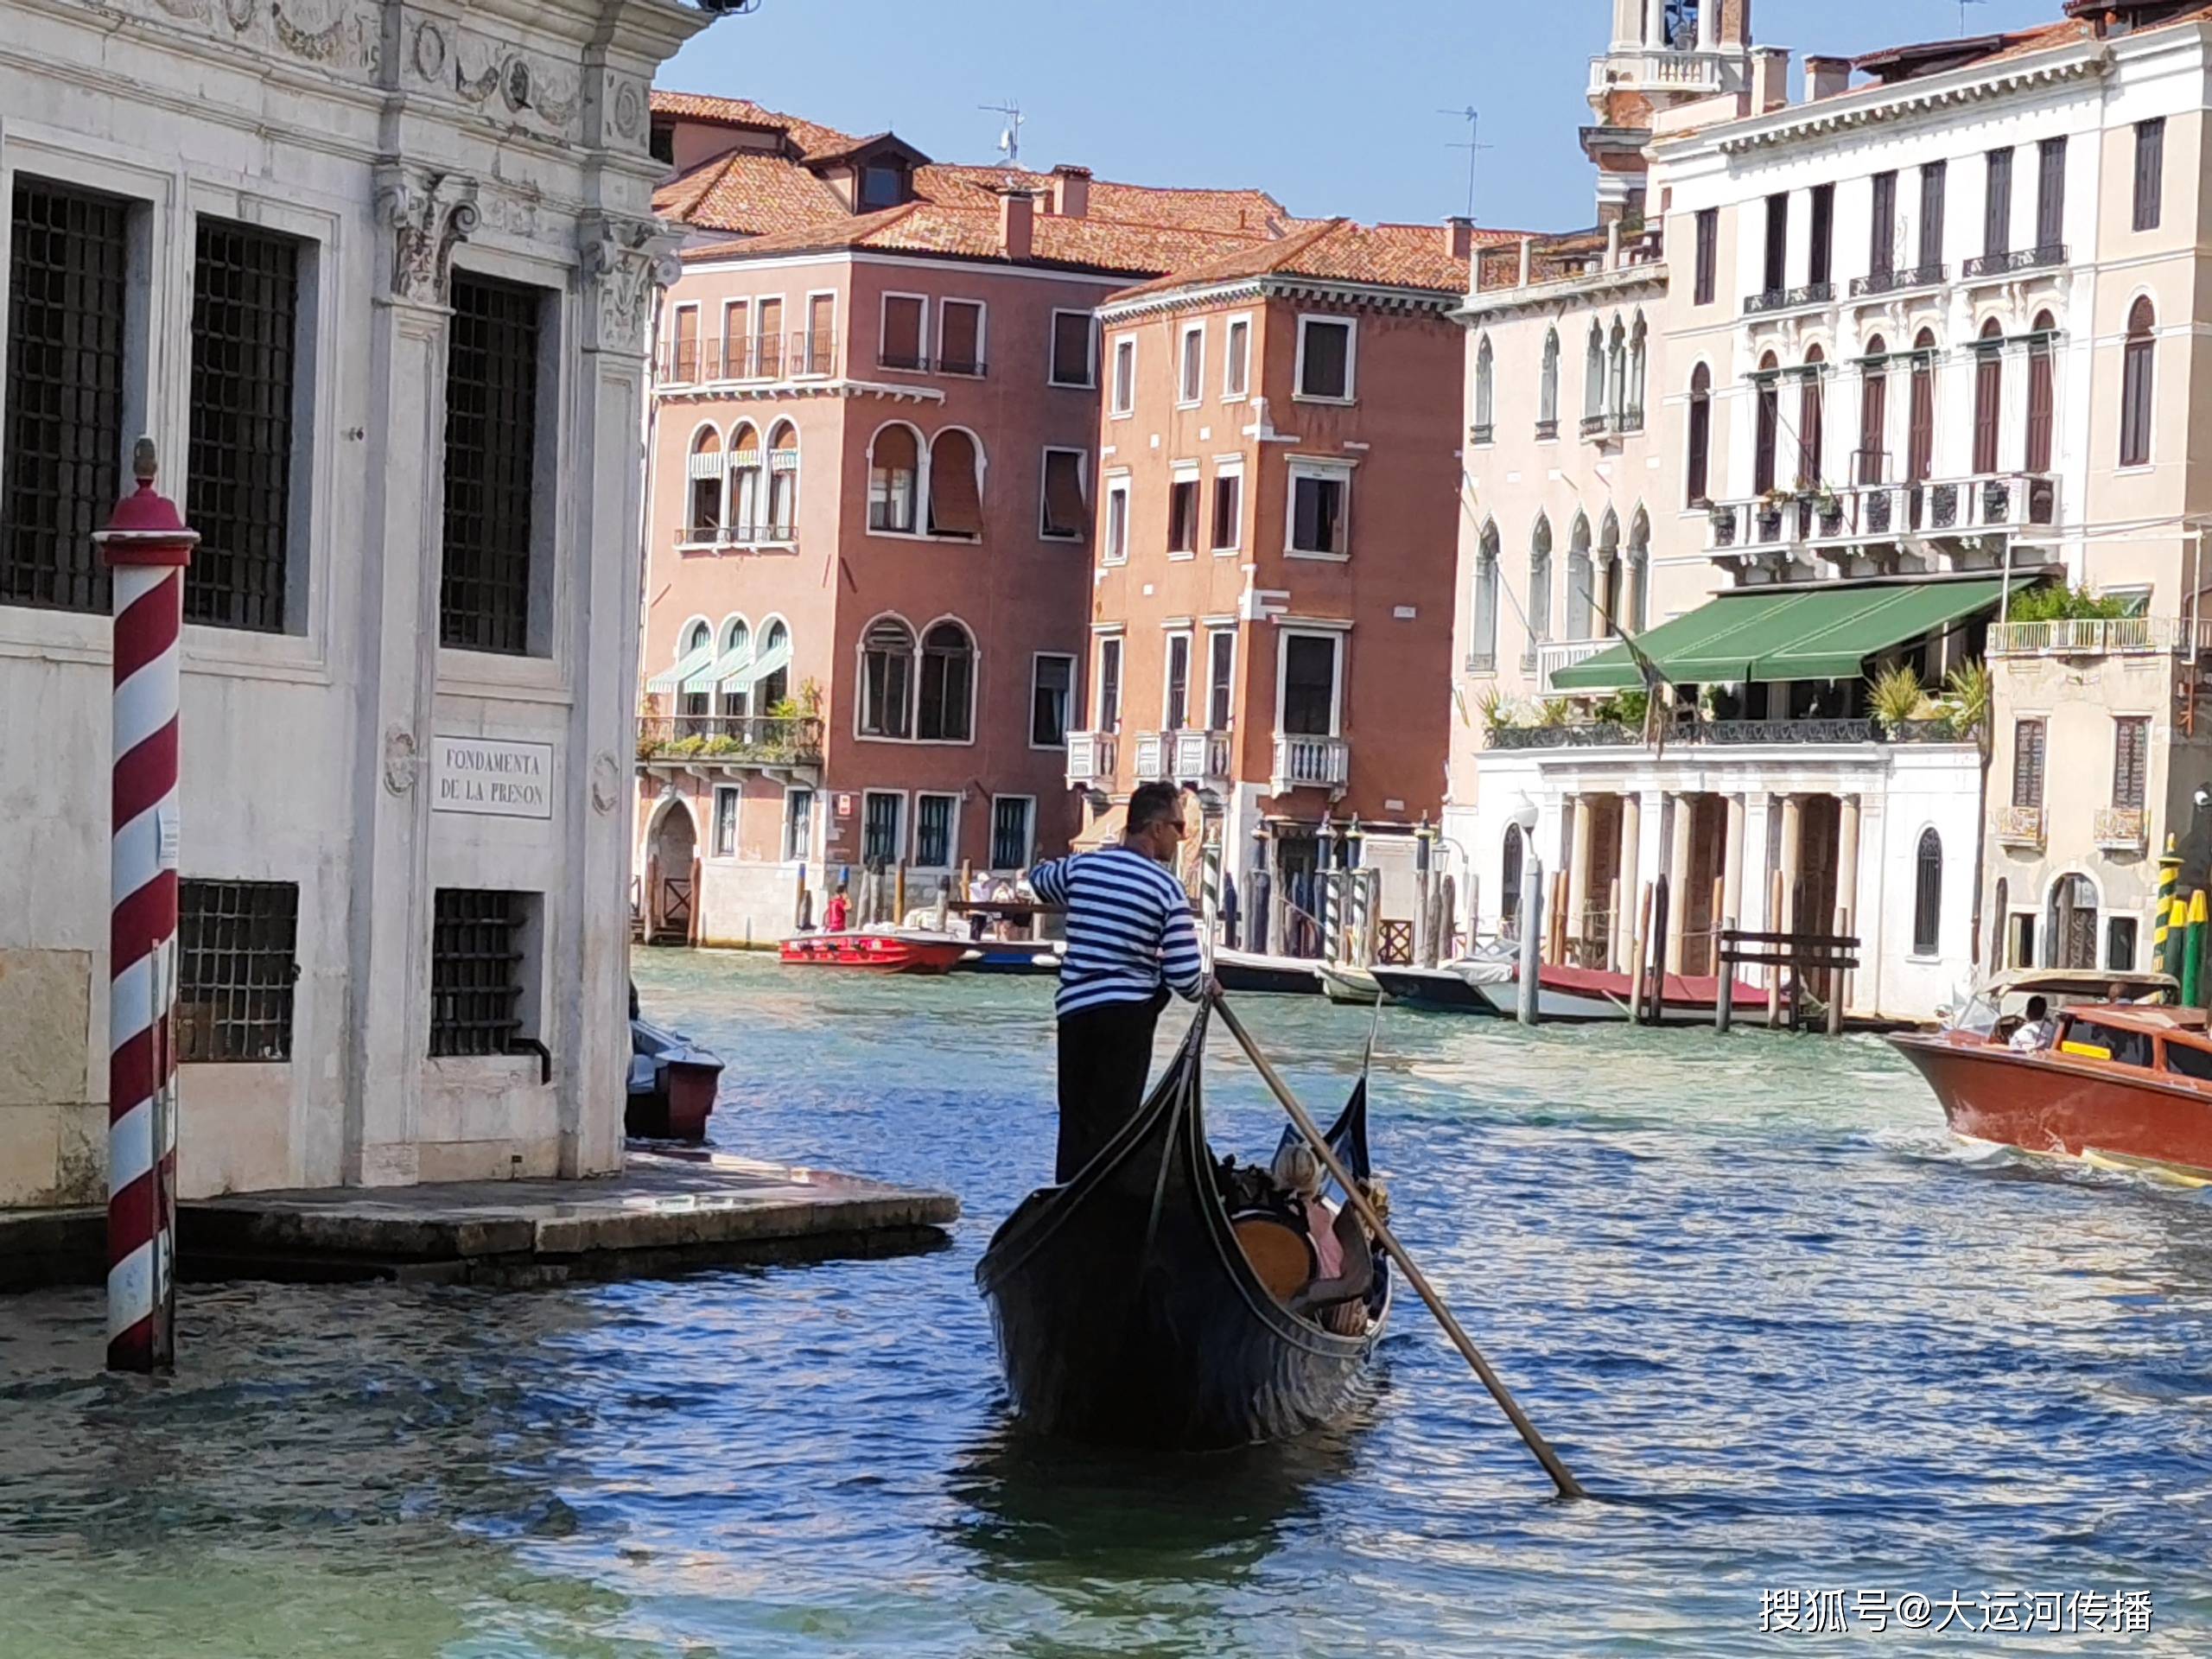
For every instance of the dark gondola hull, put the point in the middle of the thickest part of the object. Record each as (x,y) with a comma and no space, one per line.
(1127,1313)
(1431,988)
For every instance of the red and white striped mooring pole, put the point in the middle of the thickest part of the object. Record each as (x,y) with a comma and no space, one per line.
(147,547)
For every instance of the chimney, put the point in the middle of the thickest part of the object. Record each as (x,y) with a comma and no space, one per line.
(1612,245)
(1769,78)
(1826,77)
(1528,245)
(1017,222)
(1462,231)
(1071,191)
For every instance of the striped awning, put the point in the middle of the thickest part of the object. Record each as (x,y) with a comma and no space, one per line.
(708,465)
(670,679)
(776,657)
(728,666)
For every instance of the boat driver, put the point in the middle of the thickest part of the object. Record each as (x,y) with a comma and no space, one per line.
(2036,1030)
(1130,940)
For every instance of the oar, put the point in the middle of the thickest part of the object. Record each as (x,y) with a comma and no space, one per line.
(1568,1486)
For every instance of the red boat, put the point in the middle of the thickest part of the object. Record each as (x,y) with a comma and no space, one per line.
(882,953)
(2124,1078)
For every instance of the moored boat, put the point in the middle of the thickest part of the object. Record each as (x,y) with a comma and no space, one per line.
(2121,1082)
(1345,981)
(1589,995)
(672,1083)
(1011,956)
(886,952)
(1129,1312)
(1248,970)
(1450,986)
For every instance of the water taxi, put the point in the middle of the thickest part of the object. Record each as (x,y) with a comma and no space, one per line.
(886,950)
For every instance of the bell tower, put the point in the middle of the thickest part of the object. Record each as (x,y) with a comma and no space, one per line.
(1663,53)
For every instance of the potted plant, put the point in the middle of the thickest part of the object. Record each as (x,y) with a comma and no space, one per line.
(1895,695)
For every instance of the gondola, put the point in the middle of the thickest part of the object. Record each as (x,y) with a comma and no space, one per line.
(1129,1313)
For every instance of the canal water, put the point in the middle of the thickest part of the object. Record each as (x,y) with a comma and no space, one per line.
(1797,1339)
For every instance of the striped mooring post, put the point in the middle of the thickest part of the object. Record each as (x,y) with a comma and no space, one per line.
(147,547)
(2165,948)
(2192,952)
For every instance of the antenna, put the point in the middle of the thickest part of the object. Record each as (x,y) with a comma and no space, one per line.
(1473,145)
(1010,135)
(1963,5)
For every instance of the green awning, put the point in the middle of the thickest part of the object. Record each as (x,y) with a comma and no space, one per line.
(1793,633)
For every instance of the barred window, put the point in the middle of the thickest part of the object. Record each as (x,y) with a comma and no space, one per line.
(475,971)
(236,960)
(244,318)
(491,464)
(1010,831)
(67,269)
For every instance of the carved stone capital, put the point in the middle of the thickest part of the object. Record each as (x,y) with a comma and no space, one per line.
(429,215)
(624,260)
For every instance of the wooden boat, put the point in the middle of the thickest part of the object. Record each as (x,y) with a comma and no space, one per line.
(672,1085)
(1011,956)
(1246,971)
(1129,1312)
(1589,995)
(1450,986)
(883,952)
(1345,981)
(2127,1082)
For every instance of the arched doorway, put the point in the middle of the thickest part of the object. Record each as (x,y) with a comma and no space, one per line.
(671,889)
(2073,922)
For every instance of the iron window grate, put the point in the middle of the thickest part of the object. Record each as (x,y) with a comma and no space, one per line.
(491,463)
(237,962)
(66,266)
(245,323)
(475,972)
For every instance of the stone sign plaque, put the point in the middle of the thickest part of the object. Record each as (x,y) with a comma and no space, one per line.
(491,778)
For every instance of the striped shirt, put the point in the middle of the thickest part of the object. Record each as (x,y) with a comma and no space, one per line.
(1129,928)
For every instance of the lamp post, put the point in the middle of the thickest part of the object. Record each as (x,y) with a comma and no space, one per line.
(147,547)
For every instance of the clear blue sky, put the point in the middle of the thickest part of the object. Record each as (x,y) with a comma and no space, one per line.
(1333,108)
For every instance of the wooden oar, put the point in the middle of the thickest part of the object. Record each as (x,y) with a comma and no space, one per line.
(1568,1486)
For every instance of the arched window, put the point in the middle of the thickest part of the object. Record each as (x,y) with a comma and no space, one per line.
(1485,391)
(1616,374)
(1920,446)
(737,686)
(1484,649)
(783,481)
(745,500)
(1540,589)
(1697,467)
(1609,575)
(956,484)
(888,679)
(1548,388)
(1988,394)
(698,643)
(1578,579)
(1873,413)
(1509,884)
(2135,385)
(894,471)
(1594,373)
(1769,380)
(1638,355)
(705,486)
(948,711)
(2041,390)
(1639,572)
(771,668)
(1927,895)
(1811,403)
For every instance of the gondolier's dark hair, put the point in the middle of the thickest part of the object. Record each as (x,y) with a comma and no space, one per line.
(1151,803)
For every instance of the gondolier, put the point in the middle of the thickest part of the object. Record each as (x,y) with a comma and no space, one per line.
(1129,941)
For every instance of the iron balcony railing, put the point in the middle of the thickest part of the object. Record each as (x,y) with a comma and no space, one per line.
(1787,299)
(964,363)
(1897,280)
(770,739)
(758,533)
(2017,502)
(2019,259)
(803,353)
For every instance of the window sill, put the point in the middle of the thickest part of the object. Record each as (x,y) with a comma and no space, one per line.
(1121,414)
(1226,552)
(1190,403)
(1113,558)
(1073,385)
(1059,538)
(1315,397)
(2135,469)
(1182,556)
(1310,553)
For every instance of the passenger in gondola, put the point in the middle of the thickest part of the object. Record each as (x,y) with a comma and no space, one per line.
(1130,940)
(1336,1297)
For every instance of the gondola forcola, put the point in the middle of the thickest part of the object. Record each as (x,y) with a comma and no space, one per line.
(1127,1312)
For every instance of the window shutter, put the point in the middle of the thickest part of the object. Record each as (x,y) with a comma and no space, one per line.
(1882,255)
(2050,194)
(2130,736)
(902,333)
(1988,390)
(1997,208)
(1064,509)
(1768,417)
(1809,415)
(1873,420)
(1931,213)
(960,338)
(2027,763)
(955,501)
(1701,445)
(2039,402)
(1823,233)
(2149,168)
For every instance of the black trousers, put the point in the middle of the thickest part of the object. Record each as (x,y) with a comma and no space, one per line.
(1105,1055)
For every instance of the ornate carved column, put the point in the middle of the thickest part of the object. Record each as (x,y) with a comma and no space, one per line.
(424,216)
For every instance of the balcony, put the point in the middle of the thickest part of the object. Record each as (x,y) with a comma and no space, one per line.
(1701,73)
(1901,280)
(2100,637)
(1090,759)
(1547,429)
(1564,653)
(966,363)
(1775,300)
(1719,733)
(803,353)
(1837,520)
(703,538)
(2019,259)
(2120,830)
(1307,762)
(2019,826)
(731,742)
(1182,757)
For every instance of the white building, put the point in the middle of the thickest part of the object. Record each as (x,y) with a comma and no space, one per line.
(376,277)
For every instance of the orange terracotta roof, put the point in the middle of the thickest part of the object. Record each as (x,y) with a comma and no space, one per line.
(1341,251)
(1241,212)
(809,138)
(748,192)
